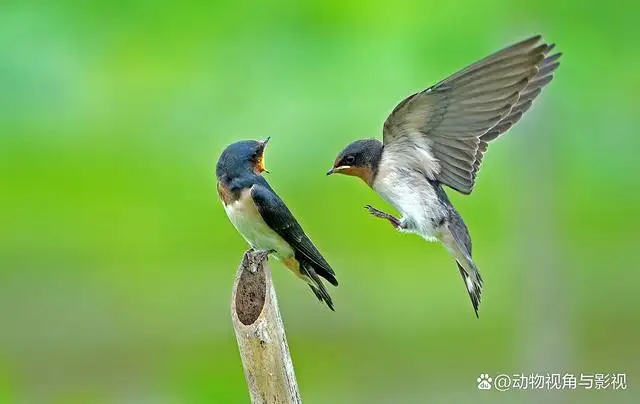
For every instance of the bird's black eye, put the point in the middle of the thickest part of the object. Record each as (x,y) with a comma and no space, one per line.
(350,160)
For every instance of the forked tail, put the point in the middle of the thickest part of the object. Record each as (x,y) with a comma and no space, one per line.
(474,287)
(456,239)
(315,283)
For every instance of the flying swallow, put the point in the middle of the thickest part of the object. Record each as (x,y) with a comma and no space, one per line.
(263,219)
(438,137)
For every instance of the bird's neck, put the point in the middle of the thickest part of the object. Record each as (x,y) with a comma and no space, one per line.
(375,158)
(237,180)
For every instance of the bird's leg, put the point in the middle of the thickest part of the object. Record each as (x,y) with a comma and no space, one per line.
(395,222)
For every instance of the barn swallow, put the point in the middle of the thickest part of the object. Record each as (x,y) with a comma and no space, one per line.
(263,219)
(438,137)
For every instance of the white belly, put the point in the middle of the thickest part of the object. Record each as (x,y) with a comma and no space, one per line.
(256,232)
(412,195)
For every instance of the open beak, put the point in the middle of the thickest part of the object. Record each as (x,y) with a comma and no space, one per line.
(261,167)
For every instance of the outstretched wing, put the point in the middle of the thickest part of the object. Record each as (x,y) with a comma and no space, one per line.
(445,129)
(277,216)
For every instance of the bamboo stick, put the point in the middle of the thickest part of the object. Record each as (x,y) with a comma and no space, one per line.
(260,334)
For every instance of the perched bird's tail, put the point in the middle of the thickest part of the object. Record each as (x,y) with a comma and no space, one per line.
(315,283)
(456,239)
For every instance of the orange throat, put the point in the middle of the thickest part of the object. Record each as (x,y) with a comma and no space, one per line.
(225,195)
(259,167)
(365,174)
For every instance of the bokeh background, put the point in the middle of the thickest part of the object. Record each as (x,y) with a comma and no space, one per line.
(117,260)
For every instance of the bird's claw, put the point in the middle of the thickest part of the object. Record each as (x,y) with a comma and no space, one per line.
(378,213)
(253,259)
(372,210)
(260,256)
(375,212)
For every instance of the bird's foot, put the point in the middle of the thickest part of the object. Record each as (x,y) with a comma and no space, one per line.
(254,258)
(247,258)
(395,222)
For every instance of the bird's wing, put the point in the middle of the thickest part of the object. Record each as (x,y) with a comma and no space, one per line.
(445,129)
(278,217)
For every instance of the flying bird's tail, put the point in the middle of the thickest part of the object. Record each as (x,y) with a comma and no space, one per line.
(456,238)
(473,285)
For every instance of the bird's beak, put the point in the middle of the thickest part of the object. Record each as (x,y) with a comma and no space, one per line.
(337,170)
(261,167)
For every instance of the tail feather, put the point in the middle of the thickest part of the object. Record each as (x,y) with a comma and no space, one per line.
(316,285)
(323,296)
(458,242)
(329,276)
(473,288)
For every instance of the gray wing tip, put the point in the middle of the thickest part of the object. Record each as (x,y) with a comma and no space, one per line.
(531,40)
(554,57)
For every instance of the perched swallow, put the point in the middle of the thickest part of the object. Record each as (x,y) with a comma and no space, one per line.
(438,137)
(263,219)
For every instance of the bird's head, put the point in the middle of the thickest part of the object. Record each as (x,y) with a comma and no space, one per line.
(246,155)
(359,159)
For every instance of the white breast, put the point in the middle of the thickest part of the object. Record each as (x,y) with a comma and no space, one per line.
(247,220)
(412,195)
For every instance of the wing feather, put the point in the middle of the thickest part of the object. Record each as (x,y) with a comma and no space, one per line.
(454,120)
(277,216)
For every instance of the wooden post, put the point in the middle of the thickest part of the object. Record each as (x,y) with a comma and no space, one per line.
(260,334)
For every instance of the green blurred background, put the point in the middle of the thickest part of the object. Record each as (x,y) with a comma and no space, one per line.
(117,259)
